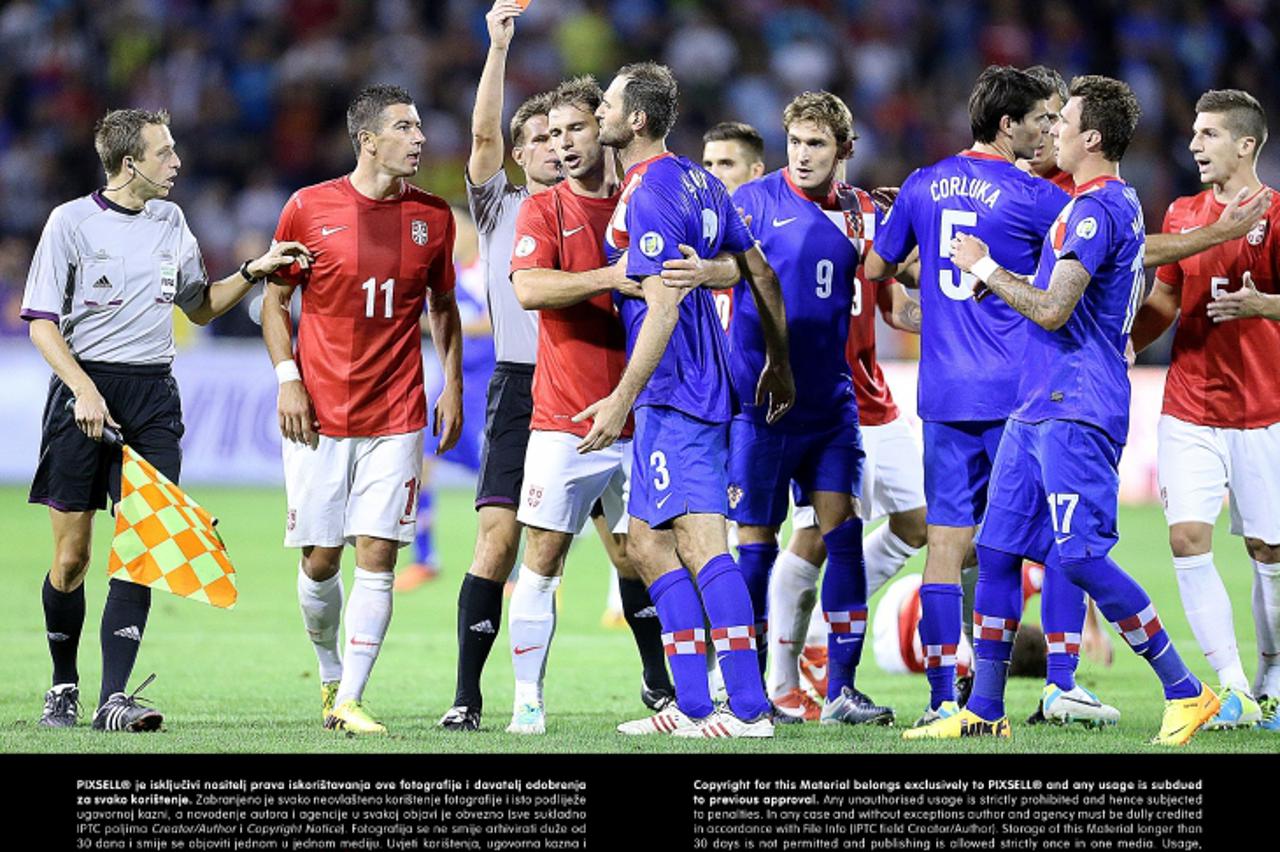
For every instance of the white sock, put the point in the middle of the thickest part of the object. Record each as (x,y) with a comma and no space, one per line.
(321,605)
(368,615)
(885,554)
(531,621)
(792,594)
(613,598)
(1266,623)
(1208,608)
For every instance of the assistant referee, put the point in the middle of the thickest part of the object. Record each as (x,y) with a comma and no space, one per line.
(106,275)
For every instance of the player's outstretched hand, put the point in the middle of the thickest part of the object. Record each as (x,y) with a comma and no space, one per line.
(884,197)
(1239,216)
(1242,303)
(91,413)
(608,415)
(297,418)
(501,21)
(446,422)
(619,280)
(776,388)
(689,270)
(284,253)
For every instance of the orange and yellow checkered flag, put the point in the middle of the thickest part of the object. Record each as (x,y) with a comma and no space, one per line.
(165,540)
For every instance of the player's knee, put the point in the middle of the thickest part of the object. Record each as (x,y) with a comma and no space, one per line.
(1260,551)
(807,543)
(321,563)
(70,564)
(1190,539)
(910,527)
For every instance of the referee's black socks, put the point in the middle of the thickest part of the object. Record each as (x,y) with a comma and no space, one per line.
(124,619)
(642,618)
(479,617)
(63,621)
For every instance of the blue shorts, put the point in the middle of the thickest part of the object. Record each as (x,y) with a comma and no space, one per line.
(1055,484)
(764,460)
(957,466)
(679,467)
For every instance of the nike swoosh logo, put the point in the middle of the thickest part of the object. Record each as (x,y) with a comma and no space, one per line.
(845,640)
(778,223)
(519,651)
(1188,230)
(663,501)
(1063,540)
(574,231)
(324,232)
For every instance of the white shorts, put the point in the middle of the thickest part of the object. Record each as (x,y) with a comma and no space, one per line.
(561,484)
(1197,464)
(892,474)
(347,487)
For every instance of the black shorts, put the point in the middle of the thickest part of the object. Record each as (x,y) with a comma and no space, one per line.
(75,473)
(506,435)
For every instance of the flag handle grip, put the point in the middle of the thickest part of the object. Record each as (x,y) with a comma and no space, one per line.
(109,435)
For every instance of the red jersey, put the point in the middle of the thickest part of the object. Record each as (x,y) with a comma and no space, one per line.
(875,403)
(1062,180)
(582,349)
(359,347)
(1223,374)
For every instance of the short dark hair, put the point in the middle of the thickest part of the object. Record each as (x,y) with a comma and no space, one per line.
(1052,79)
(539,104)
(1244,115)
(583,92)
(1002,90)
(1029,658)
(737,131)
(1110,107)
(118,134)
(651,89)
(365,110)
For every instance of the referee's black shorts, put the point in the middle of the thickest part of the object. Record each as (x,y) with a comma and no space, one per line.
(76,473)
(506,435)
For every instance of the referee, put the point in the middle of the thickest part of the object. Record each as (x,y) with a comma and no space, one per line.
(108,270)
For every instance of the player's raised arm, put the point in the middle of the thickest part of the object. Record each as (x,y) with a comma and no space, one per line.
(486,116)
(1239,216)
(692,270)
(222,296)
(1048,309)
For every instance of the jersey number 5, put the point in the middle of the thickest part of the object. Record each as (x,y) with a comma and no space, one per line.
(952,219)
(388,289)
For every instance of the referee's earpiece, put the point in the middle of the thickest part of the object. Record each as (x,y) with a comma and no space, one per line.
(132,168)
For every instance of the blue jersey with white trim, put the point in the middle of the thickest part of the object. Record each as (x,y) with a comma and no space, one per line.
(668,201)
(816,253)
(970,352)
(1079,372)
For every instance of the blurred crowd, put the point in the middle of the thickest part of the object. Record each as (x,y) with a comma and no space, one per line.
(257,88)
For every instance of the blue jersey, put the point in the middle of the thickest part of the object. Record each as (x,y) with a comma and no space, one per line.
(1080,370)
(815,253)
(970,352)
(667,201)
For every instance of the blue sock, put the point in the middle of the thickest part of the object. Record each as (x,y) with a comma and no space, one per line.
(424,551)
(940,624)
(755,562)
(1123,602)
(997,609)
(844,604)
(1062,612)
(684,639)
(728,604)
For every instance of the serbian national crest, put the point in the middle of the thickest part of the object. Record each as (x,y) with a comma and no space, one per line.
(1256,233)
(418,231)
(533,496)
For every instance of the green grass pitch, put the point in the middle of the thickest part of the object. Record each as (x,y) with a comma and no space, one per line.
(245,680)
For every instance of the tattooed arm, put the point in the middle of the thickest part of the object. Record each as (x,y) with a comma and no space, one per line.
(1048,309)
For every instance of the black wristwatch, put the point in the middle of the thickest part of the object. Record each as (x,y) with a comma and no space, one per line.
(244,271)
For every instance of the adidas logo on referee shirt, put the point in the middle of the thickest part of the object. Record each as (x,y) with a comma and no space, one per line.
(485,626)
(130,632)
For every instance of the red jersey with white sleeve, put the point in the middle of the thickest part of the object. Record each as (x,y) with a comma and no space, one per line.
(582,349)
(358,343)
(875,403)
(1223,374)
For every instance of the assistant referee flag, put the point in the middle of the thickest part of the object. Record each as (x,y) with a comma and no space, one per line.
(165,540)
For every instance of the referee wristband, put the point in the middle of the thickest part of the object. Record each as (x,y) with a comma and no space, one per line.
(985,268)
(287,371)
